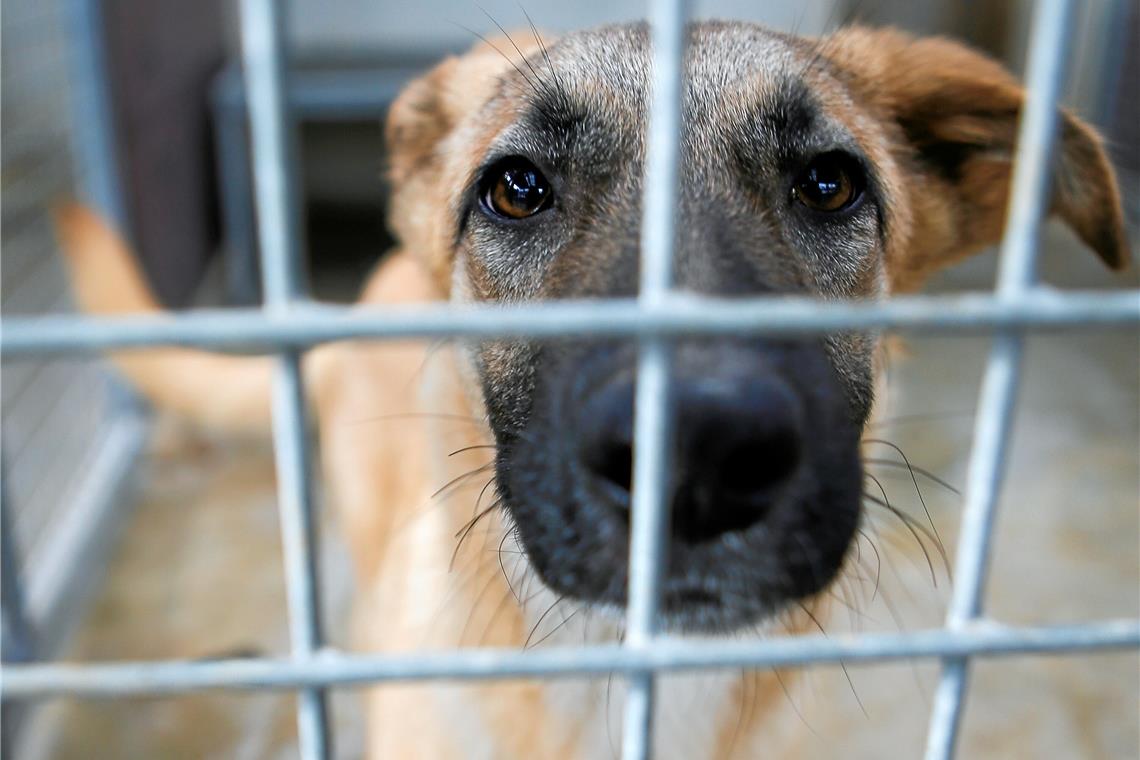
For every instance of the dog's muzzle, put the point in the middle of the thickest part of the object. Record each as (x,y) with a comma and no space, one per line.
(764,485)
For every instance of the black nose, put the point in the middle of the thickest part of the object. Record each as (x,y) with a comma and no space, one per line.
(735,442)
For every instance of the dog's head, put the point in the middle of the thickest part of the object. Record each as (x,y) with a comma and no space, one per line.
(848,167)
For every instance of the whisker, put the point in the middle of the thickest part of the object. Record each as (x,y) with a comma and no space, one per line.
(917,490)
(795,708)
(842,665)
(538,39)
(855,615)
(460,478)
(510,39)
(513,594)
(465,531)
(476,604)
(913,471)
(556,628)
(506,57)
(502,605)
(609,723)
(811,616)
(482,492)
(854,691)
(472,448)
(915,528)
(503,567)
(534,629)
(745,695)
(878,562)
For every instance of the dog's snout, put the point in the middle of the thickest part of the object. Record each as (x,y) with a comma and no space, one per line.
(606,440)
(763,482)
(735,442)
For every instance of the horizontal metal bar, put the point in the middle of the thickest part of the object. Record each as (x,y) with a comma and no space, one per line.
(676,314)
(977,639)
(342,93)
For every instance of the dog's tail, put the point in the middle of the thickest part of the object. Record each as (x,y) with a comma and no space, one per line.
(226,393)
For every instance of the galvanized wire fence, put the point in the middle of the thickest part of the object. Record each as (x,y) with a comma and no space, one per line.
(288,325)
(68,439)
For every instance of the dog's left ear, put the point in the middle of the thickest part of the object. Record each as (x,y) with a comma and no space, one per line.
(430,132)
(956,112)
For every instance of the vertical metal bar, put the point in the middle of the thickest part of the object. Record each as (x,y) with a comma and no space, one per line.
(1036,145)
(652,419)
(16,639)
(233,166)
(1027,208)
(262,34)
(16,645)
(94,147)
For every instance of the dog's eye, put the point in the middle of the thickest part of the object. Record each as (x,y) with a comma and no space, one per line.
(831,182)
(515,189)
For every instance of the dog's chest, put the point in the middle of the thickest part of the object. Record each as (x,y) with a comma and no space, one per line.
(697,715)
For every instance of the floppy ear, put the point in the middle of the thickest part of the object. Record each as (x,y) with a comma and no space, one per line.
(955,114)
(433,136)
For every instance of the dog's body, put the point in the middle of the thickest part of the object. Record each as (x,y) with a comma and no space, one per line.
(917,133)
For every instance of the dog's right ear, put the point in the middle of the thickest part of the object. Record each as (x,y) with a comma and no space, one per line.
(433,139)
(955,113)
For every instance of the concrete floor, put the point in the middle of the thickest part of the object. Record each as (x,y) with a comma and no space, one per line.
(198,574)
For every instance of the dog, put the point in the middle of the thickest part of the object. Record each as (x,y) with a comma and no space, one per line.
(851,166)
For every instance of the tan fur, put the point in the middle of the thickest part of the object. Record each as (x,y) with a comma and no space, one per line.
(390,414)
(106,280)
(949,94)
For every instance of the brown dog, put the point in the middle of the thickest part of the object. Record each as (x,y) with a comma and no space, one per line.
(852,166)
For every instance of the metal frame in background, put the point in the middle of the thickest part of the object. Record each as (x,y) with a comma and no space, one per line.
(286,327)
(359,92)
(47,577)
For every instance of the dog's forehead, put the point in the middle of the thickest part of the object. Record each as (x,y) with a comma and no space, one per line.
(588,94)
(727,66)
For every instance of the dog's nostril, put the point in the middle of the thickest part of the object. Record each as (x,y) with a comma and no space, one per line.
(606,440)
(736,448)
(756,465)
(734,445)
(614,463)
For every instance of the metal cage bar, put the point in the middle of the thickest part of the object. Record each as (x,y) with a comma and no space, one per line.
(262,23)
(652,422)
(16,644)
(1029,193)
(978,639)
(307,325)
(651,432)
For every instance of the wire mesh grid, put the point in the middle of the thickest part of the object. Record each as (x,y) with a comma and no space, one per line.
(66,435)
(288,325)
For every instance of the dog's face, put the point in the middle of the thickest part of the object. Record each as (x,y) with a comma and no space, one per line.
(844,168)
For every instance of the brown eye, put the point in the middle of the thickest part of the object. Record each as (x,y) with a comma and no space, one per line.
(831,182)
(516,189)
